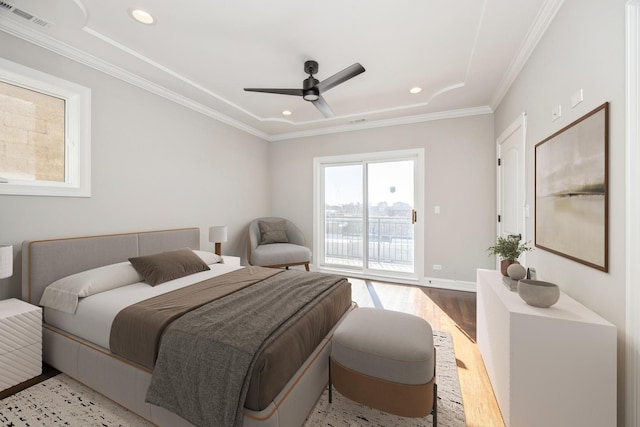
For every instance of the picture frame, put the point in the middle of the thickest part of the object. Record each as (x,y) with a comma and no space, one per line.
(571,190)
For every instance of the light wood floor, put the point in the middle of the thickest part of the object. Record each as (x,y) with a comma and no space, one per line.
(448,311)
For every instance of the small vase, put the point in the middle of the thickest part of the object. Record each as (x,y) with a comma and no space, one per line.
(504,264)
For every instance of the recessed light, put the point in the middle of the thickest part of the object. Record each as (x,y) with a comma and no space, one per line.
(142,16)
(415,90)
(286,113)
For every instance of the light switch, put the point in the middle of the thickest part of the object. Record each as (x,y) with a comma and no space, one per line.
(556,113)
(577,98)
(436,210)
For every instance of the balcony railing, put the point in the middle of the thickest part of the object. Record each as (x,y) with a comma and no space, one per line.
(390,242)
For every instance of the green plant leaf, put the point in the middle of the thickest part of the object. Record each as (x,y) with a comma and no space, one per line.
(509,247)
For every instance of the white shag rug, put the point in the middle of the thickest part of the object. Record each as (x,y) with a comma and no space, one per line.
(343,412)
(62,401)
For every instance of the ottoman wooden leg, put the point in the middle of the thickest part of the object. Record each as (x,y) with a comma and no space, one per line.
(330,391)
(434,411)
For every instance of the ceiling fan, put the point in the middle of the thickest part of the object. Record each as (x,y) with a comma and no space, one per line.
(312,89)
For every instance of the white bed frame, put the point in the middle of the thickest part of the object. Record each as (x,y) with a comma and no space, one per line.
(45,261)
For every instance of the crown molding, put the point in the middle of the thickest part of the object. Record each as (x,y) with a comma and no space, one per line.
(452,114)
(44,41)
(167,71)
(35,37)
(543,20)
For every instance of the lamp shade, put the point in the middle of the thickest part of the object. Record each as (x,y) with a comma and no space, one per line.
(218,233)
(6,261)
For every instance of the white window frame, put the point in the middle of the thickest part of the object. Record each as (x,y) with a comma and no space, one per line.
(318,203)
(77,182)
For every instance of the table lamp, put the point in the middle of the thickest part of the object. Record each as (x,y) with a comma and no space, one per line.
(6,261)
(217,235)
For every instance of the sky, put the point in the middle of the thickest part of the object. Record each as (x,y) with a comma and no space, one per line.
(389,182)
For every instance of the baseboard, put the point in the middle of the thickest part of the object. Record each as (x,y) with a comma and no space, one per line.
(429,282)
(454,285)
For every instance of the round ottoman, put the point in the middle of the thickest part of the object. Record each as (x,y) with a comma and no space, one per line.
(385,360)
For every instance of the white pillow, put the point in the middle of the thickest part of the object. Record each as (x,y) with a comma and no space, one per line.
(63,294)
(208,257)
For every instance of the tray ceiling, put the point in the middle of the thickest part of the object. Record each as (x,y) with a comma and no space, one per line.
(202,53)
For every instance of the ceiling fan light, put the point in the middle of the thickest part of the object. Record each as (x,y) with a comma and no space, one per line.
(311,94)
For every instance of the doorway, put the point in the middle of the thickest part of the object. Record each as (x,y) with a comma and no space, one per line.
(512,209)
(366,213)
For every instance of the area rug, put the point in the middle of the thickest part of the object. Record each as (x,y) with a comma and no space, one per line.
(343,412)
(62,401)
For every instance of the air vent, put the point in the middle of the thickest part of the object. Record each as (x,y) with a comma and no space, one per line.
(358,121)
(40,22)
(23,14)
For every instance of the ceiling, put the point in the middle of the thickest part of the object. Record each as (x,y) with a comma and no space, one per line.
(464,54)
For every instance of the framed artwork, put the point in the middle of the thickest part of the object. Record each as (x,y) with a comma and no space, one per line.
(571,181)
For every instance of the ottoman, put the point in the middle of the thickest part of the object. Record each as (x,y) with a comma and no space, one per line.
(385,360)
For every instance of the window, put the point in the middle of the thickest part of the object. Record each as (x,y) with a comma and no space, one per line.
(45,146)
(365,208)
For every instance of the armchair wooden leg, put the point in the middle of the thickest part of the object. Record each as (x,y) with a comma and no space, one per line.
(306,266)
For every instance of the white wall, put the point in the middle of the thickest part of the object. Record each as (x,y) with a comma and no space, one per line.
(155,165)
(459,177)
(582,49)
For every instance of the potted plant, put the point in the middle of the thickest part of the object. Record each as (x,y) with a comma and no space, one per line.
(509,250)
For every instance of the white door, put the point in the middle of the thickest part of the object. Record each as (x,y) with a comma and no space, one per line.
(511,180)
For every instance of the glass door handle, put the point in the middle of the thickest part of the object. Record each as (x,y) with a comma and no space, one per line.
(414,216)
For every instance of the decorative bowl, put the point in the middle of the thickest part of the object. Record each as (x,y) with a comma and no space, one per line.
(538,293)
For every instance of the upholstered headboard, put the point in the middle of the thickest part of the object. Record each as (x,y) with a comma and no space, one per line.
(45,261)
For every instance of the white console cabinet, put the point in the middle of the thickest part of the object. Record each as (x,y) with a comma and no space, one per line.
(551,367)
(20,342)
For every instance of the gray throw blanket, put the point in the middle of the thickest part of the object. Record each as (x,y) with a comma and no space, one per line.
(206,357)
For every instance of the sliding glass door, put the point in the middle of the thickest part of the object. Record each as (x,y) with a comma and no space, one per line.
(367,215)
(343,216)
(390,213)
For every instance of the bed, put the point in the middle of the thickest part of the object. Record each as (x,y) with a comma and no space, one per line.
(81,350)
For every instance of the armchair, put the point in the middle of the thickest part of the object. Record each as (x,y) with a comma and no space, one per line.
(276,242)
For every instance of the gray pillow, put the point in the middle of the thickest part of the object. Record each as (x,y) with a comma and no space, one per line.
(165,266)
(273,232)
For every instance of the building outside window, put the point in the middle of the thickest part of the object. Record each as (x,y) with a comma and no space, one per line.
(44,134)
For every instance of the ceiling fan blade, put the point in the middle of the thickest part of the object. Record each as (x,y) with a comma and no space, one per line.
(296,92)
(340,77)
(324,108)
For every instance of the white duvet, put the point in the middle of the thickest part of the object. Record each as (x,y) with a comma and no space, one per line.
(94,315)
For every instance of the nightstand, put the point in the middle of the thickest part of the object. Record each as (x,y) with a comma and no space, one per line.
(20,342)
